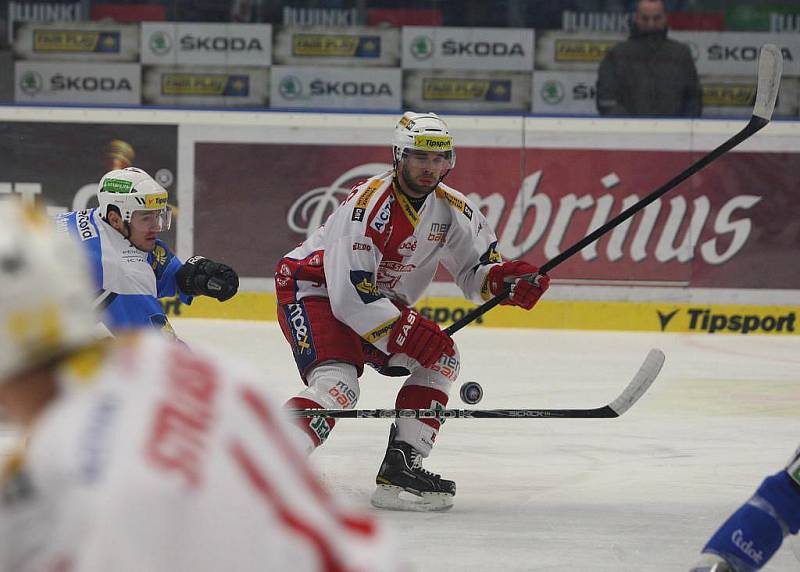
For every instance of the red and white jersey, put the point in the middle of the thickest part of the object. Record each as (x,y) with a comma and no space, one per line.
(154,458)
(375,248)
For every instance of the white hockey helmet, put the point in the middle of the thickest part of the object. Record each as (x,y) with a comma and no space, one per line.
(422,132)
(131,190)
(46,298)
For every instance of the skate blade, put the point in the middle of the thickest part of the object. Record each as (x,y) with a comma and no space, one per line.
(389,497)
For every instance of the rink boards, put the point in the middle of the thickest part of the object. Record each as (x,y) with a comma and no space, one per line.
(548,314)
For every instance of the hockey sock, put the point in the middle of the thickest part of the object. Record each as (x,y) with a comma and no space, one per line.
(419,433)
(316,429)
(752,535)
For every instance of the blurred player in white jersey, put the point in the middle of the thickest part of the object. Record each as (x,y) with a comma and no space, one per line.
(754,533)
(141,455)
(345,298)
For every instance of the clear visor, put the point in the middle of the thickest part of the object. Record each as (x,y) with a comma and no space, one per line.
(419,158)
(156,220)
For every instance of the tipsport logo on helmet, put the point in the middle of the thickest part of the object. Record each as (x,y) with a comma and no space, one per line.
(155,201)
(434,143)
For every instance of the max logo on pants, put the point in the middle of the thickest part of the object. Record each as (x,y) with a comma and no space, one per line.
(301,333)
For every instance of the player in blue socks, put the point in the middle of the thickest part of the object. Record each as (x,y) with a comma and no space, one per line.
(754,533)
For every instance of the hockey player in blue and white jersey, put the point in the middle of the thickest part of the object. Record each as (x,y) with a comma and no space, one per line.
(754,533)
(132,268)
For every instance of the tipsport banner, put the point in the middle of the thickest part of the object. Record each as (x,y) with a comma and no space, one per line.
(60,164)
(734,225)
(77,41)
(330,46)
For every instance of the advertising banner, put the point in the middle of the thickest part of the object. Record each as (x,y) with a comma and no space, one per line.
(467,91)
(206,44)
(573,51)
(28,11)
(60,164)
(736,53)
(467,48)
(217,86)
(564,93)
(96,83)
(735,96)
(734,225)
(346,46)
(335,88)
(77,41)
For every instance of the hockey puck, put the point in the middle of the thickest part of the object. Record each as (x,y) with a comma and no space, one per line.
(471,392)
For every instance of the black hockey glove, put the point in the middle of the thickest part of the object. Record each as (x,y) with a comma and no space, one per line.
(201,276)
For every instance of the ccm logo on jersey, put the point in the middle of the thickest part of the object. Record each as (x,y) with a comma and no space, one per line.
(85,227)
(361,246)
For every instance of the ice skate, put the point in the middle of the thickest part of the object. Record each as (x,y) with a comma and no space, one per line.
(402,483)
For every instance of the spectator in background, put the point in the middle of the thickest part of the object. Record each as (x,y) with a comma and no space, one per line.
(649,74)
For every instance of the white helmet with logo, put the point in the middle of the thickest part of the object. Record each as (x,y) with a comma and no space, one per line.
(422,132)
(45,301)
(131,190)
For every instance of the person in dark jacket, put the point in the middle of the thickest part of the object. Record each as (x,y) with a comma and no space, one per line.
(649,74)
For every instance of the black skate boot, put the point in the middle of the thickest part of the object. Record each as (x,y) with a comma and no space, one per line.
(404,485)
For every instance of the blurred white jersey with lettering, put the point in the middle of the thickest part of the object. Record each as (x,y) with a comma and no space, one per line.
(153,458)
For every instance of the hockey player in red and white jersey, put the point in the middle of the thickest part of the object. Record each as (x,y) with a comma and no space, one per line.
(345,298)
(141,455)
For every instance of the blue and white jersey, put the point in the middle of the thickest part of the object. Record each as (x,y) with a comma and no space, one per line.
(129,281)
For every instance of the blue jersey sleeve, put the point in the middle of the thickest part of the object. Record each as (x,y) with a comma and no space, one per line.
(165,265)
(82,226)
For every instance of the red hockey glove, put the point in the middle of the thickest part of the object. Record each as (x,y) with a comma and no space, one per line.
(419,338)
(524,293)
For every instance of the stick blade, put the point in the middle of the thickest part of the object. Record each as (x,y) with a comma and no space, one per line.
(770,68)
(640,383)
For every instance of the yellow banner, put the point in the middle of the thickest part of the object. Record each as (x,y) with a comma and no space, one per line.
(613,316)
(582,50)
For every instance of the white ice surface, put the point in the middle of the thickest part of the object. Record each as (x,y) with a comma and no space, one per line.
(639,493)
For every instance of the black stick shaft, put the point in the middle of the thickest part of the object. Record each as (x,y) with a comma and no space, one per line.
(754,125)
(600,412)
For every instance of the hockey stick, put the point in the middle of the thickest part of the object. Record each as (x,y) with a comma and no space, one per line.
(770,67)
(640,383)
